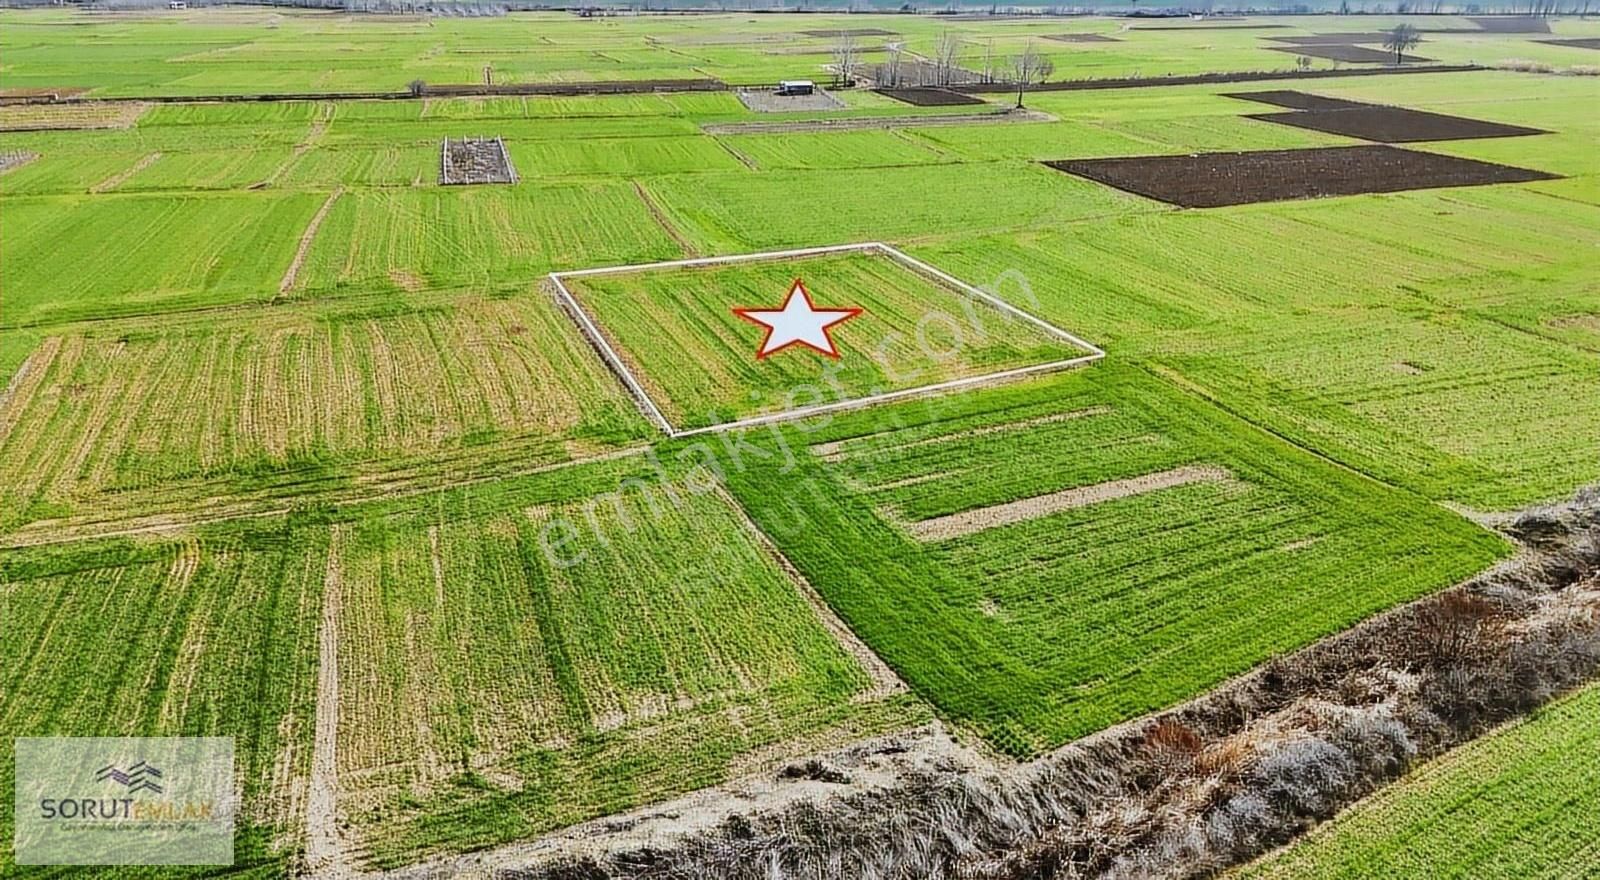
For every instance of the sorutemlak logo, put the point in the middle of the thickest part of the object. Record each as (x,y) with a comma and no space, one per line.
(124,801)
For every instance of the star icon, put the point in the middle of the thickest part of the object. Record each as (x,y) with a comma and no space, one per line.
(799,322)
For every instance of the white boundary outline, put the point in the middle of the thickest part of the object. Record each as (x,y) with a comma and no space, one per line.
(614,361)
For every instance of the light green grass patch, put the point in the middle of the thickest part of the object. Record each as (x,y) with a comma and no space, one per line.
(676,329)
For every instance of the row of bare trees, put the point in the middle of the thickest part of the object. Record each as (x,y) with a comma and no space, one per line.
(943,68)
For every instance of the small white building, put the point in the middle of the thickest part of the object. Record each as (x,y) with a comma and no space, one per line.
(177,4)
(796,87)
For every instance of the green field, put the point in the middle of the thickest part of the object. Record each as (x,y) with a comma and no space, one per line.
(676,330)
(1520,802)
(251,350)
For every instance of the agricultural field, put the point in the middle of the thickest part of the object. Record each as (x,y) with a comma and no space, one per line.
(300,446)
(677,331)
(1516,803)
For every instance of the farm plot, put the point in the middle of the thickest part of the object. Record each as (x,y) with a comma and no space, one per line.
(475,161)
(1518,802)
(676,332)
(769,101)
(488,236)
(834,149)
(1209,180)
(141,407)
(1081,38)
(1395,125)
(1196,547)
(208,636)
(929,97)
(1295,100)
(508,675)
(67,117)
(139,254)
(1349,53)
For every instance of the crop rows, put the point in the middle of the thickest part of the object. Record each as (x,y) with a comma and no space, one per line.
(503,676)
(1047,629)
(195,638)
(301,388)
(677,330)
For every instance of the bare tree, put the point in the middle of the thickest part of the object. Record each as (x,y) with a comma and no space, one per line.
(945,55)
(1400,39)
(845,58)
(988,60)
(1029,67)
(1303,62)
(889,71)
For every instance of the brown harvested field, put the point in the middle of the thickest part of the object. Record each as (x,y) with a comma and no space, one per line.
(1349,54)
(1349,39)
(929,97)
(67,117)
(1394,125)
(1212,180)
(1518,24)
(55,93)
(1585,43)
(1295,100)
(851,32)
(1082,38)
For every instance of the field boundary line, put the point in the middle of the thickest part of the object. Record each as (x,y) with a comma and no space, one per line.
(672,231)
(325,856)
(118,179)
(619,367)
(291,274)
(884,681)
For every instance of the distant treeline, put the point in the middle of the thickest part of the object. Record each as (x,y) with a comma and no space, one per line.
(1216,8)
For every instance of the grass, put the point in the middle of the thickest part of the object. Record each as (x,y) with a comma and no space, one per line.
(678,333)
(212,636)
(567,660)
(1347,363)
(150,406)
(1514,803)
(1051,628)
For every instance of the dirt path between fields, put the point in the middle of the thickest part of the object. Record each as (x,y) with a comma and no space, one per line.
(325,855)
(293,272)
(117,180)
(689,250)
(956,525)
(884,681)
(860,123)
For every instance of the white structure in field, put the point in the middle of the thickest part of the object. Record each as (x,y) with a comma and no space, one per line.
(796,87)
(653,412)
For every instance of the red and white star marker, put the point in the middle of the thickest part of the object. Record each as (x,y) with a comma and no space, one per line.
(799,322)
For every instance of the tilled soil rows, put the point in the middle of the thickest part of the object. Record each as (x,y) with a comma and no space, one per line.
(1295,100)
(1586,43)
(1083,38)
(1210,180)
(1394,125)
(1349,53)
(929,97)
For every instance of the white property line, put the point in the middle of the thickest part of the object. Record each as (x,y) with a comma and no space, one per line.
(615,362)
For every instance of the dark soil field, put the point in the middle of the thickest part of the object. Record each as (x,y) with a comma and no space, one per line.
(1394,125)
(1081,38)
(929,97)
(1348,39)
(1588,43)
(1211,180)
(1296,100)
(1524,24)
(1349,54)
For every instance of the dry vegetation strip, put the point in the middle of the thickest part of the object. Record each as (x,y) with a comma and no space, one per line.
(323,851)
(70,117)
(116,180)
(689,250)
(958,524)
(291,273)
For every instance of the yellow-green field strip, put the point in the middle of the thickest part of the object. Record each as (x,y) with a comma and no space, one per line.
(591,330)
